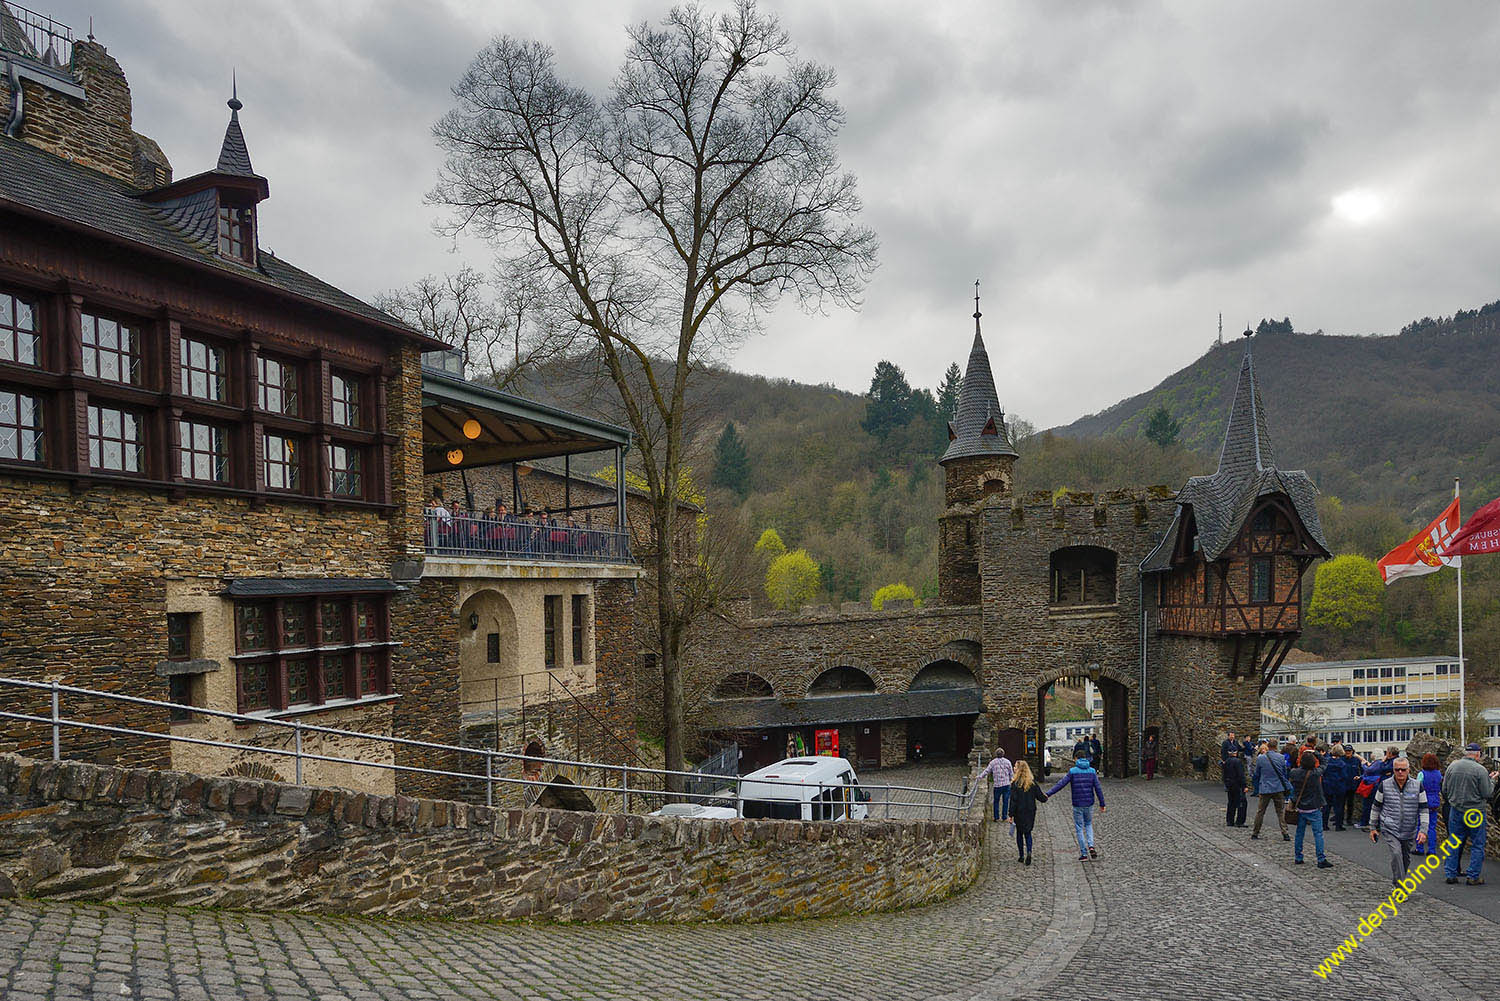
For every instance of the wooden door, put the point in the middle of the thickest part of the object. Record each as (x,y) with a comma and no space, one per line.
(867,745)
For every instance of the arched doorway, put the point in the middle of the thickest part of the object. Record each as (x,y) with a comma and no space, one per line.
(942,737)
(1112,726)
(488,658)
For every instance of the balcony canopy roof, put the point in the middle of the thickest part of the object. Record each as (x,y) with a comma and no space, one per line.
(509,428)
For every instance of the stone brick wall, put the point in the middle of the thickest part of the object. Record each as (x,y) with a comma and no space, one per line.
(95,132)
(1028,642)
(891,646)
(83,832)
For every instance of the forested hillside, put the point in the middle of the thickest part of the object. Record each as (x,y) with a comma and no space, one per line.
(1383,424)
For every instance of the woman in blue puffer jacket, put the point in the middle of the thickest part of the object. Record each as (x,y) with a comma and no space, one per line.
(1432,784)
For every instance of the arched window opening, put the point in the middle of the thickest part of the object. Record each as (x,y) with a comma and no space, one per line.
(1083,575)
(743,685)
(842,681)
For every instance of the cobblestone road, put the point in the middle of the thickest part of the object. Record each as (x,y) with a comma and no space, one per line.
(1173,906)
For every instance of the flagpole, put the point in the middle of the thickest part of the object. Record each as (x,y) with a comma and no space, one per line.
(1462,680)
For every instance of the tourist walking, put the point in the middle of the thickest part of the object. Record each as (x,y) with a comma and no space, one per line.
(1399,816)
(1085,787)
(1234,790)
(1271,782)
(1150,757)
(1025,795)
(1096,753)
(1000,772)
(1307,799)
(1335,779)
(1467,786)
(1432,785)
(1353,766)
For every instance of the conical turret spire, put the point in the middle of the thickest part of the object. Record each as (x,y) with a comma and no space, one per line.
(234,158)
(978,427)
(1247,443)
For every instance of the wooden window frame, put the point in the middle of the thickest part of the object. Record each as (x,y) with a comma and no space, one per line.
(236,231)
(346,408)
(215,379)
(579,624)
(289,386)
(361,666)
(95,350)
(551,628)
(189,453)
(1270,567)
(37,453)
(180,626)
(12,333)
(351,474)
(98,436)
(292,474)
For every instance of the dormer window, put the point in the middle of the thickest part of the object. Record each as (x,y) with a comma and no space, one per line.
(237,233)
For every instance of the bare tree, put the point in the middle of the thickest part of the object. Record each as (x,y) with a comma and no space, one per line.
(661,222)
(498,331)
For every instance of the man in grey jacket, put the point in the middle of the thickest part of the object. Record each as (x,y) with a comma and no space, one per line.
(1269,780)
(1467,786)
(1399,816)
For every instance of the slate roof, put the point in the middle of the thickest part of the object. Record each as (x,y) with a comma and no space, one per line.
(978,404)
(234,158)
(1220,503)
(263,587)
(40,182)
(759,714)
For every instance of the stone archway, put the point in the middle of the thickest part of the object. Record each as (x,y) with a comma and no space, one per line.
(1117,738)
(488,653)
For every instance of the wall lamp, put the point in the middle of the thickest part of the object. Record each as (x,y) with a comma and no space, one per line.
(473,620)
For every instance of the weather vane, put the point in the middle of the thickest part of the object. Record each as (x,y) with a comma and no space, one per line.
(976,299)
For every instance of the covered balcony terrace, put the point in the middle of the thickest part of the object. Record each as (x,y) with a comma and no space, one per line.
(495,489)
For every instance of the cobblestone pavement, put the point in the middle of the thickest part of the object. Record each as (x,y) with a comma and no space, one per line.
(1173,905)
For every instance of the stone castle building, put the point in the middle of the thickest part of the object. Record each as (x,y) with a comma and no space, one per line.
(1179,606)
(214,469)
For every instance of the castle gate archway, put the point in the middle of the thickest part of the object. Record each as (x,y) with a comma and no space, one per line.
(1117,740)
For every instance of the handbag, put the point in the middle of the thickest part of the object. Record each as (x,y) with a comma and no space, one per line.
(1289,812)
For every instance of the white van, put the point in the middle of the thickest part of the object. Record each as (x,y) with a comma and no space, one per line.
(820,788)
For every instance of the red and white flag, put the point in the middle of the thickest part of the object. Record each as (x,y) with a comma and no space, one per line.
(1480,536)
(1421,554)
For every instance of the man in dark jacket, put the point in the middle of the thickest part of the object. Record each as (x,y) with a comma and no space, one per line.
(1234,788)
(1335,784)
(1228,747)
(1085,787)
(1096,753)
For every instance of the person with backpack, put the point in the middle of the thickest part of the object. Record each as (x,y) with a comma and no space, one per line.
(1085,786)
(1335,778)
(1272,786)
(1025,795)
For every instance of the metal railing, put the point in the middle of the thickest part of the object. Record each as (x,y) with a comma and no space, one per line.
(532,699)
(49,41)
(511,538)
(654,785)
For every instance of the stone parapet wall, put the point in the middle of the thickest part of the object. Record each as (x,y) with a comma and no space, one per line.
(83,832)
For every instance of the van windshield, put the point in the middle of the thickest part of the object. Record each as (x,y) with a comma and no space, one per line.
(771,809)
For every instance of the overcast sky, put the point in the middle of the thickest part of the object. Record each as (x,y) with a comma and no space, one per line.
(1116,174)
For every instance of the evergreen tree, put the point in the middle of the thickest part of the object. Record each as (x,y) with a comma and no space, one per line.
(732,463)
(947,394)
(889,405)
(1162,428)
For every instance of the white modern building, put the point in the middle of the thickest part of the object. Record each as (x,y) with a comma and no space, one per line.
(1371,704)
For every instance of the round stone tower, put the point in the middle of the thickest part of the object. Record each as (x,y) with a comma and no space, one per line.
(977,464)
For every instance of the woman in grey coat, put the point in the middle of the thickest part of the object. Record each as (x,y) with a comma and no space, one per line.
(1307,797)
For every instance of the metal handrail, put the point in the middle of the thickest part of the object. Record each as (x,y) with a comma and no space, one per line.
(512,538)
(519,704)
(936,799)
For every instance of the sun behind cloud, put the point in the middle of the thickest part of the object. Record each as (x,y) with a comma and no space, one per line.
(1359,206)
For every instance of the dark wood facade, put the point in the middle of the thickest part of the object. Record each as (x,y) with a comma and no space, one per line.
(70,284)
